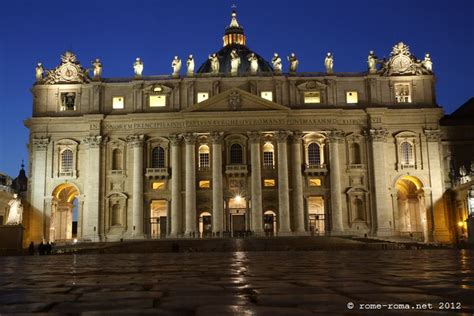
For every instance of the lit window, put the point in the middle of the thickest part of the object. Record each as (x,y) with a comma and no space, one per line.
(402,93)
(406,151)
(314,154)
(204,157)
(236,154)
(267,95)
(66,160)
(158,157)
(158,185)
(205,184)
(352,97)
(269,182)
(314,182)
(117,102)
(158,100)
(312,97)
(202,96)
(268,151)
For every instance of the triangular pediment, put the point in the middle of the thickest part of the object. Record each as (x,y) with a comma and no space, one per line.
(235,100)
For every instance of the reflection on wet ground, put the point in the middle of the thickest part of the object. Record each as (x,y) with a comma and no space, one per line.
(246,283)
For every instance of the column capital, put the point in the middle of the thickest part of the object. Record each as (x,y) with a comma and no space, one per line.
(94,141)
(336,136)
(296,137)
(40,143)
(136,140)
(254,137)
(432,135)
(217,137)
(189,138)
(282,136)
(377,134)
(175,139)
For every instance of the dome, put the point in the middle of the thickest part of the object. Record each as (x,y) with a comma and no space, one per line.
(234,38)
(243,52)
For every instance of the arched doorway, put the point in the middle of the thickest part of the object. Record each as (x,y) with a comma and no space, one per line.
(205,225)
(158,217)
(237,210)
(63,224)
(316,215)
(412,217)
(269,223)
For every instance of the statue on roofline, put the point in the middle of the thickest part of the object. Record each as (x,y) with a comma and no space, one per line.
(190,65)
(176,65)
(293,62)
(276,61)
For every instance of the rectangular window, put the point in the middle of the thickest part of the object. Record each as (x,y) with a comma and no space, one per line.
(205,184)
(402,93)
(117,102)
(202,96)
(314,182)
(268,182)
(158,185)
(204,161)
(352,97)
(267,95)
(312,97)
(158,100)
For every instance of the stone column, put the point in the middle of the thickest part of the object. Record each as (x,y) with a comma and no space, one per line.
(437,207)
(90,225)
(136,143)
(283,187)
(176,219)
(383,212)
(37,188)
(48,206)
(335,137)
(217,189)
(298,203)
(256,180)
(80,215)
(190,229)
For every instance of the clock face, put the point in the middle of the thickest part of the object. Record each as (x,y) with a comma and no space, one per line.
(69,72)
(401,63)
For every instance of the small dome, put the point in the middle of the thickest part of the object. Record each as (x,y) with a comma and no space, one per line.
(243,52)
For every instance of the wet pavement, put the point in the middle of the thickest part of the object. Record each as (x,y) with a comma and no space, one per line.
(396,282)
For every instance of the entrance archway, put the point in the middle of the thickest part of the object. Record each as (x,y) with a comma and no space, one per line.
(205,224)
(238,215)
(269,223)
(316,215)
(412,217)
(158,218)
(63,224)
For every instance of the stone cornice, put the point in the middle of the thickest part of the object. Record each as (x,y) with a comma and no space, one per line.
(190,138)
(136,140)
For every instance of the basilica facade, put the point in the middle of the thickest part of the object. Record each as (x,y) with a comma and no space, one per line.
(238,147)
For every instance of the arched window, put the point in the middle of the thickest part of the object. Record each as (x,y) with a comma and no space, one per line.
(66,160)
(359,209)
(116,218)
(204,157)
(117,159)
(158,157)
(406,153)
(268,155)
(236,154)
(314,154)
(355,154)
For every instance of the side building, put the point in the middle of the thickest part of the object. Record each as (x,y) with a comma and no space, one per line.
(237,147)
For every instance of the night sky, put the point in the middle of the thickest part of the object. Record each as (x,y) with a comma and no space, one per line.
(119,31)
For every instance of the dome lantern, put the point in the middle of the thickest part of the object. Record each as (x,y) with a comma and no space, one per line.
(234,33)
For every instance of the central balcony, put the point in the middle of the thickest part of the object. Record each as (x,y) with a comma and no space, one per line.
(316,170)
(157,173)
(236,170)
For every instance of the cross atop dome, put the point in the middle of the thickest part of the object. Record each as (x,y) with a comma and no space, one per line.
(234,33)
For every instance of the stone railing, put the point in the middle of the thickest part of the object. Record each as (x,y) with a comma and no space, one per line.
(320,169)
(236,170)
(157,173)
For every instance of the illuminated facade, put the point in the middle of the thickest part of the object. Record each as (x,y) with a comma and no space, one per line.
(237,148)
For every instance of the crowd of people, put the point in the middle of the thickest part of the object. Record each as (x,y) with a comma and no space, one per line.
(43,248)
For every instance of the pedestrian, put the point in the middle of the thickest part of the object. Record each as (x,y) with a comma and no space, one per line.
(41,249)
(48,248)
(31,249)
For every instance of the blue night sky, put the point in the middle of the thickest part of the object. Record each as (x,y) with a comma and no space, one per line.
(117,32)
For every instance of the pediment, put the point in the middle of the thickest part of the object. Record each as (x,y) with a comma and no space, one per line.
(235,100)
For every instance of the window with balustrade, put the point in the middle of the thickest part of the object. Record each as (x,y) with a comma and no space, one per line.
(268,155)
(314,154)
(67,160)
(204,157)
(236,154)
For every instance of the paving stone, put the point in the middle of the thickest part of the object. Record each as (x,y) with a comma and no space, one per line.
(223,310)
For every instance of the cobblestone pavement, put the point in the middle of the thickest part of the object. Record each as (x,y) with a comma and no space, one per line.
(240,283)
